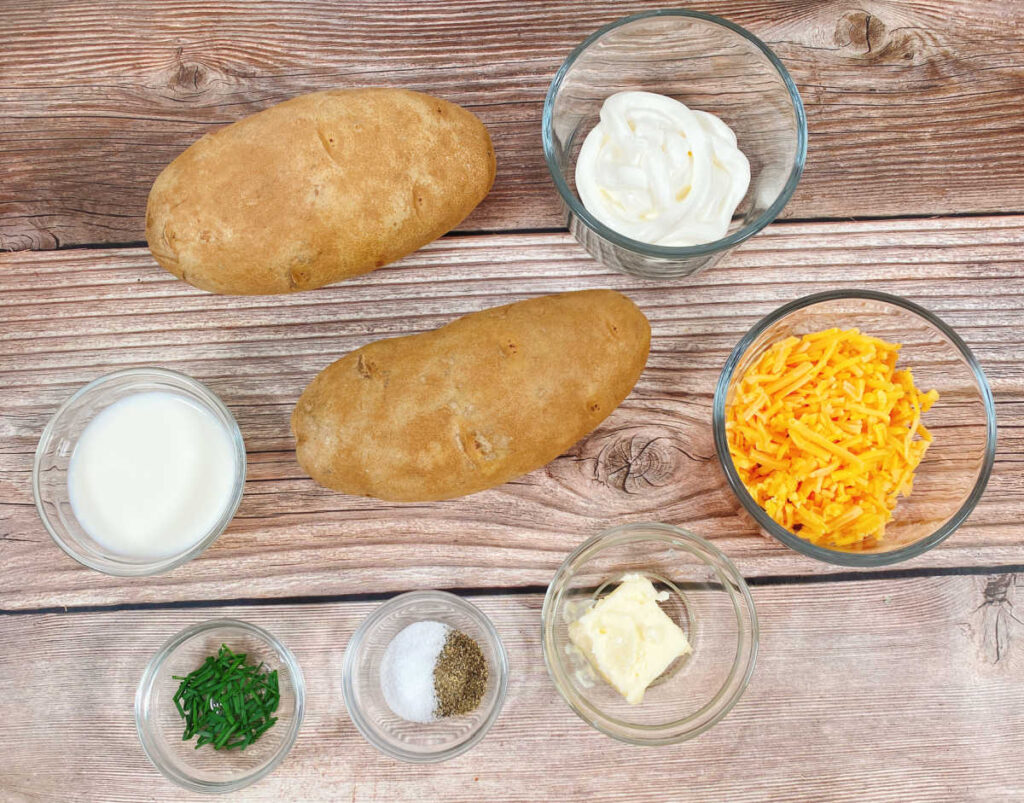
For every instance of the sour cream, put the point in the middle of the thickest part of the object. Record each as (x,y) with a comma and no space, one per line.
(151,475)
(659,172)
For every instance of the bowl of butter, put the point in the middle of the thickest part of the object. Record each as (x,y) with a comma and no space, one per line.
(649,633)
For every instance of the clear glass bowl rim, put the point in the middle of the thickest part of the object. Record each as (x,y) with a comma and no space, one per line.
(855,559)
(663,252)
(153,668)
(670,534)
(163,564)
(349,668)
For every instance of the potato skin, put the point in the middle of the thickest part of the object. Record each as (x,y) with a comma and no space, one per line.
(485,399)
(317,189)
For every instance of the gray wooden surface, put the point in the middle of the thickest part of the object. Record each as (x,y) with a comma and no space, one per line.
(905,684)
(904,689)
(75,315)
(913,107)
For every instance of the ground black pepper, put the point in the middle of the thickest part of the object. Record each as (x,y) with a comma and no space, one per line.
(460,675)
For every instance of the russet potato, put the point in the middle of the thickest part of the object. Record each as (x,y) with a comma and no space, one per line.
(317,189)
(487,398)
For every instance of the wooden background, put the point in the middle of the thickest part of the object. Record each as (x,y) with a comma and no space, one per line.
(900,684)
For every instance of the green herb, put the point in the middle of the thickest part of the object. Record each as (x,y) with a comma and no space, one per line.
(460,675)
(226,702)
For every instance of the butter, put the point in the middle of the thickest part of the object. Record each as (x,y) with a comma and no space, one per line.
(628,638)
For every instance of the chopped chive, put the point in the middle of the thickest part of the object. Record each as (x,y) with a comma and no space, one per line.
(226,702)
(224,736)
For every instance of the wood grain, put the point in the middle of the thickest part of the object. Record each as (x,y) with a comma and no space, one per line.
(68,317)
(875,690)
(913,107)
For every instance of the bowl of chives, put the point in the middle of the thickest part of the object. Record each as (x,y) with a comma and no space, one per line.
(219,705)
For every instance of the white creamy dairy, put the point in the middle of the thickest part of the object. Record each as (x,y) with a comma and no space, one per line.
(627,638)
(659,172)
(151,474)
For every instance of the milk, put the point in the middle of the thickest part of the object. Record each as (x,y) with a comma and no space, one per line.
(151,475)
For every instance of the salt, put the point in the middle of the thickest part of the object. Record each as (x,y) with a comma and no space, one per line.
(407,670)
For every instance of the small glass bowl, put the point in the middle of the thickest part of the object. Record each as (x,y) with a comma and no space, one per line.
(412,741)
(711,65)
(57,445)
(708,599)
(952,476)
(160,726)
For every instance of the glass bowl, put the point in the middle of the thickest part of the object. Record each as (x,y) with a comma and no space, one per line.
(411,741)
(952,476)
(708,599)
(160,726)
(57,445)
(708,63)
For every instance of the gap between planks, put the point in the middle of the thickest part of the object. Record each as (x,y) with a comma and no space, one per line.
(758,581)
(114,246)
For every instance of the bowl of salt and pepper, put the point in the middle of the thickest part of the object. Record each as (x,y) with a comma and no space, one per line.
(425,676)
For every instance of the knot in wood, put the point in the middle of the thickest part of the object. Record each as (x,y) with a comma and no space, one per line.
(188,78)
(997,589)
(862,33)
(996,622)
(633,463)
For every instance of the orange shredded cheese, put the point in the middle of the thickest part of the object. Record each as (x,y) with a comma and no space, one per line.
(826,435)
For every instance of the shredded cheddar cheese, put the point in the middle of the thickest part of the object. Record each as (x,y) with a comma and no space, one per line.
(826,435)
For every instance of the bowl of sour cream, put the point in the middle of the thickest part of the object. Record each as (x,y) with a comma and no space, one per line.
(139,471)
(672,136)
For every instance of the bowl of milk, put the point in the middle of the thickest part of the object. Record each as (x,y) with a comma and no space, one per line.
(139,472)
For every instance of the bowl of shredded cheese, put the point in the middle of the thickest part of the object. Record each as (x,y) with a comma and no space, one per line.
(855,427)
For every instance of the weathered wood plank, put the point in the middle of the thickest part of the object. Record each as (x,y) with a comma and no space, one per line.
(913,107)
(68,317)
(874,690)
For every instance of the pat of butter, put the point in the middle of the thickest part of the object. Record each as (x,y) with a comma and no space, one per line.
(627,638)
